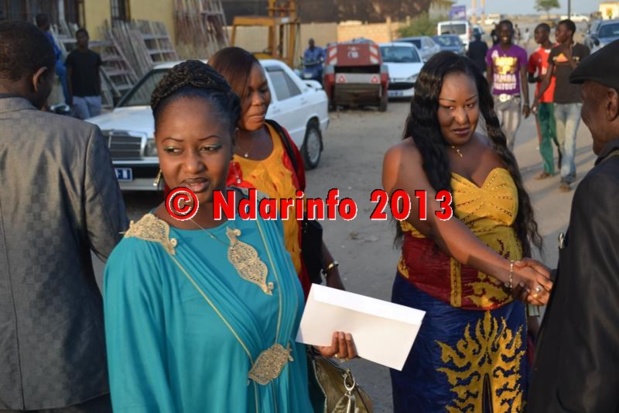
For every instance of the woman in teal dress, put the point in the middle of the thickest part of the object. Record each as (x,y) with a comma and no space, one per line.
(201,315)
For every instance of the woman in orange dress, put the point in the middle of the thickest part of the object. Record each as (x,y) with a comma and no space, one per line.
(265,157)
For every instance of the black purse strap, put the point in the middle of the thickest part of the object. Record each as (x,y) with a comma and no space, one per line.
(287,144)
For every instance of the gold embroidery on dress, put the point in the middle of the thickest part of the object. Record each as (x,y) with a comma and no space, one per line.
(245,260)
(270,364)
(455,274)
(491,352)
(151,228)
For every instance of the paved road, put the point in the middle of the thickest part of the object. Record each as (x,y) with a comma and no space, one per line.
(352,161)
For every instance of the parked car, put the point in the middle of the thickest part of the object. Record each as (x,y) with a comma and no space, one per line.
(450,43)
(425,45)
(460,27)
(601,33)
(300,106)
(404,63)
(576,17)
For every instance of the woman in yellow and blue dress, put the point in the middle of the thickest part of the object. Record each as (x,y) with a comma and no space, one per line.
(461,262)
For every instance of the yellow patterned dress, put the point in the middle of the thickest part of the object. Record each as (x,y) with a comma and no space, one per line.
(470,355)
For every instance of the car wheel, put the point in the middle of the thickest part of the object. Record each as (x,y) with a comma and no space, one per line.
(312,145)
(384,101)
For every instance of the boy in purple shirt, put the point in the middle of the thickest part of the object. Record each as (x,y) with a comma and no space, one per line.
(507,76)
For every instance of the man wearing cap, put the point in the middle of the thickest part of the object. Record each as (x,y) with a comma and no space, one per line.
(577,360)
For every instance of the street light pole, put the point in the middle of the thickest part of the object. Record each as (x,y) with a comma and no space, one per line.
(569,9)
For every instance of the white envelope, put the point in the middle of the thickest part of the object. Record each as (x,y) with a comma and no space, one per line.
(383,332)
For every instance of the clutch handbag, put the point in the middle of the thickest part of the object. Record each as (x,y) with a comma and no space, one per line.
(333,389)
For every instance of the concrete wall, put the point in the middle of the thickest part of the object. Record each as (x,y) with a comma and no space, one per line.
(97,12)
(378,32)
(254,39)
(162,11)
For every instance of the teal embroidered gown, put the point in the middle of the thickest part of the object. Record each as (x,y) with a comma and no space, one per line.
(170,351)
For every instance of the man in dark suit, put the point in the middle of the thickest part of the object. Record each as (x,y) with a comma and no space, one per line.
(59,199)
(577,357)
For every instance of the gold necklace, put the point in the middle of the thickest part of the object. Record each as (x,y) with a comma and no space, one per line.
(244,258)
(457,150)
(270,362)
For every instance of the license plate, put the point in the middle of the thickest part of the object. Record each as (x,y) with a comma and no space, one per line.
(124,174)
(395,93)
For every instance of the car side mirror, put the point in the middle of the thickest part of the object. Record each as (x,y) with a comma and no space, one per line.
(596,41)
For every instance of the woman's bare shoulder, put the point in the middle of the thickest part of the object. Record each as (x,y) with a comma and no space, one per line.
(405,148)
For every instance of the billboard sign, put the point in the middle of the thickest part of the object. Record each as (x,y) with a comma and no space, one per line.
(457,12)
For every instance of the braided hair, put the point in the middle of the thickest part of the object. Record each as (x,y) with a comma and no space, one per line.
(423,126)
(196,79)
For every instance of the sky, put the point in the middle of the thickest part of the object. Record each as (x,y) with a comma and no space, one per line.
(528,6)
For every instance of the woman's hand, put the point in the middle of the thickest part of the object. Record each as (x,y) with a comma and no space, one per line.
(531,282)
(342,347)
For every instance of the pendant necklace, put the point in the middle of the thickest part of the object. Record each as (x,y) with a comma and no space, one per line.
(457,150)
(246,153)
(244,258)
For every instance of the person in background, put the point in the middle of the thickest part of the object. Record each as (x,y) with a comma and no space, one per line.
(526,37)
(313,59)
(507,76)
(83,67)
(562,61)
(494,35)
(44,24)
(578,351)
(201,314)
(538,67)
(59,203)
(265,157)
(477,52)
(458,262)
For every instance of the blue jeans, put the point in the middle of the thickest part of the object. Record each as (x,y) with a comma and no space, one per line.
(61,72)
(87,106)
(509,114)
(567,118)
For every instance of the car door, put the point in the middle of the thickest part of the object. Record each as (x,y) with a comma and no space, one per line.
(287,102)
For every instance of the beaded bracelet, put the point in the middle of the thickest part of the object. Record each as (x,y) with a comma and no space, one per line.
(510,285)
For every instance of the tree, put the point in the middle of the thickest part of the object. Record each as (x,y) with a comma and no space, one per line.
(421,25)
(546,5)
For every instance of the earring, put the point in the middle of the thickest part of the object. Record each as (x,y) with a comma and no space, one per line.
(157,180)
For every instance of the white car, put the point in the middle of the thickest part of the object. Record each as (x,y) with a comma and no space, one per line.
(576,17)
(404,64)
(301,106)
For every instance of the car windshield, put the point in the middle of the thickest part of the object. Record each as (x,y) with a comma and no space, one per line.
(453,28)
(399,54)
(609,30)
(447,40)
(141,93)
(416,42)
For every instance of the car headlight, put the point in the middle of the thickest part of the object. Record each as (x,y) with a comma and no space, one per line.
(412,78)
(151,147)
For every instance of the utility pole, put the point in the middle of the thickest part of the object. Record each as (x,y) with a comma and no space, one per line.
(569,9)
(474,12)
